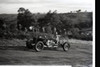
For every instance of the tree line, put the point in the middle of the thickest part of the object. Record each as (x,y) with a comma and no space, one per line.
(50,22)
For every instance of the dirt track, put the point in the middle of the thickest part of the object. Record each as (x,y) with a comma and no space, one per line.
(79,54)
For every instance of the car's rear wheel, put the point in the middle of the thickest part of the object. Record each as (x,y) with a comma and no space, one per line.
(66,46)
(39,46)
(29,45)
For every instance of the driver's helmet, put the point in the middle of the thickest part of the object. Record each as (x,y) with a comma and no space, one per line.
(30,27)
(57,37)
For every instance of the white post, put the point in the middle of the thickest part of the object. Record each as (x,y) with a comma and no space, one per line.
(43,29)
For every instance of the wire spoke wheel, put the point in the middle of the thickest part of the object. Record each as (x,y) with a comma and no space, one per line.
(39,46)
(66,46)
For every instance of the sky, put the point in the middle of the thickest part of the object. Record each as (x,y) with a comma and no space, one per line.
(43,6)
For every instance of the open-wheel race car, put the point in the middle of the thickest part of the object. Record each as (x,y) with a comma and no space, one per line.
(38,42)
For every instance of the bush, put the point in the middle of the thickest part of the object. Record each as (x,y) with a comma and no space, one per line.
(79,36)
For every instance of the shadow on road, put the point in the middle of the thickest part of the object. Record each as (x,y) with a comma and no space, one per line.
(23,48)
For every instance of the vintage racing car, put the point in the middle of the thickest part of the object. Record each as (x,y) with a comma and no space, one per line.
(38,42)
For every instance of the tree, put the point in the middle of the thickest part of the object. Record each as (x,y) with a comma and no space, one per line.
(1,23)
(24,18)
(20,18)
(78,11)
(52,20)
(46,21)
(21,10)
(66,22)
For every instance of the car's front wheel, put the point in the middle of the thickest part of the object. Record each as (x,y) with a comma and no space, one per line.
(66,46)
(39,46)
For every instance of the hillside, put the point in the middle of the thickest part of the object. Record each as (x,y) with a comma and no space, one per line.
(73,16)
(79,22)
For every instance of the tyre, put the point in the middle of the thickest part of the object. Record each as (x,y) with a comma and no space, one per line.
(39,46)
(29,45)
(66,46)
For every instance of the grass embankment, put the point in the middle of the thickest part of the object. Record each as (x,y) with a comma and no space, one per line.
(19,42)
